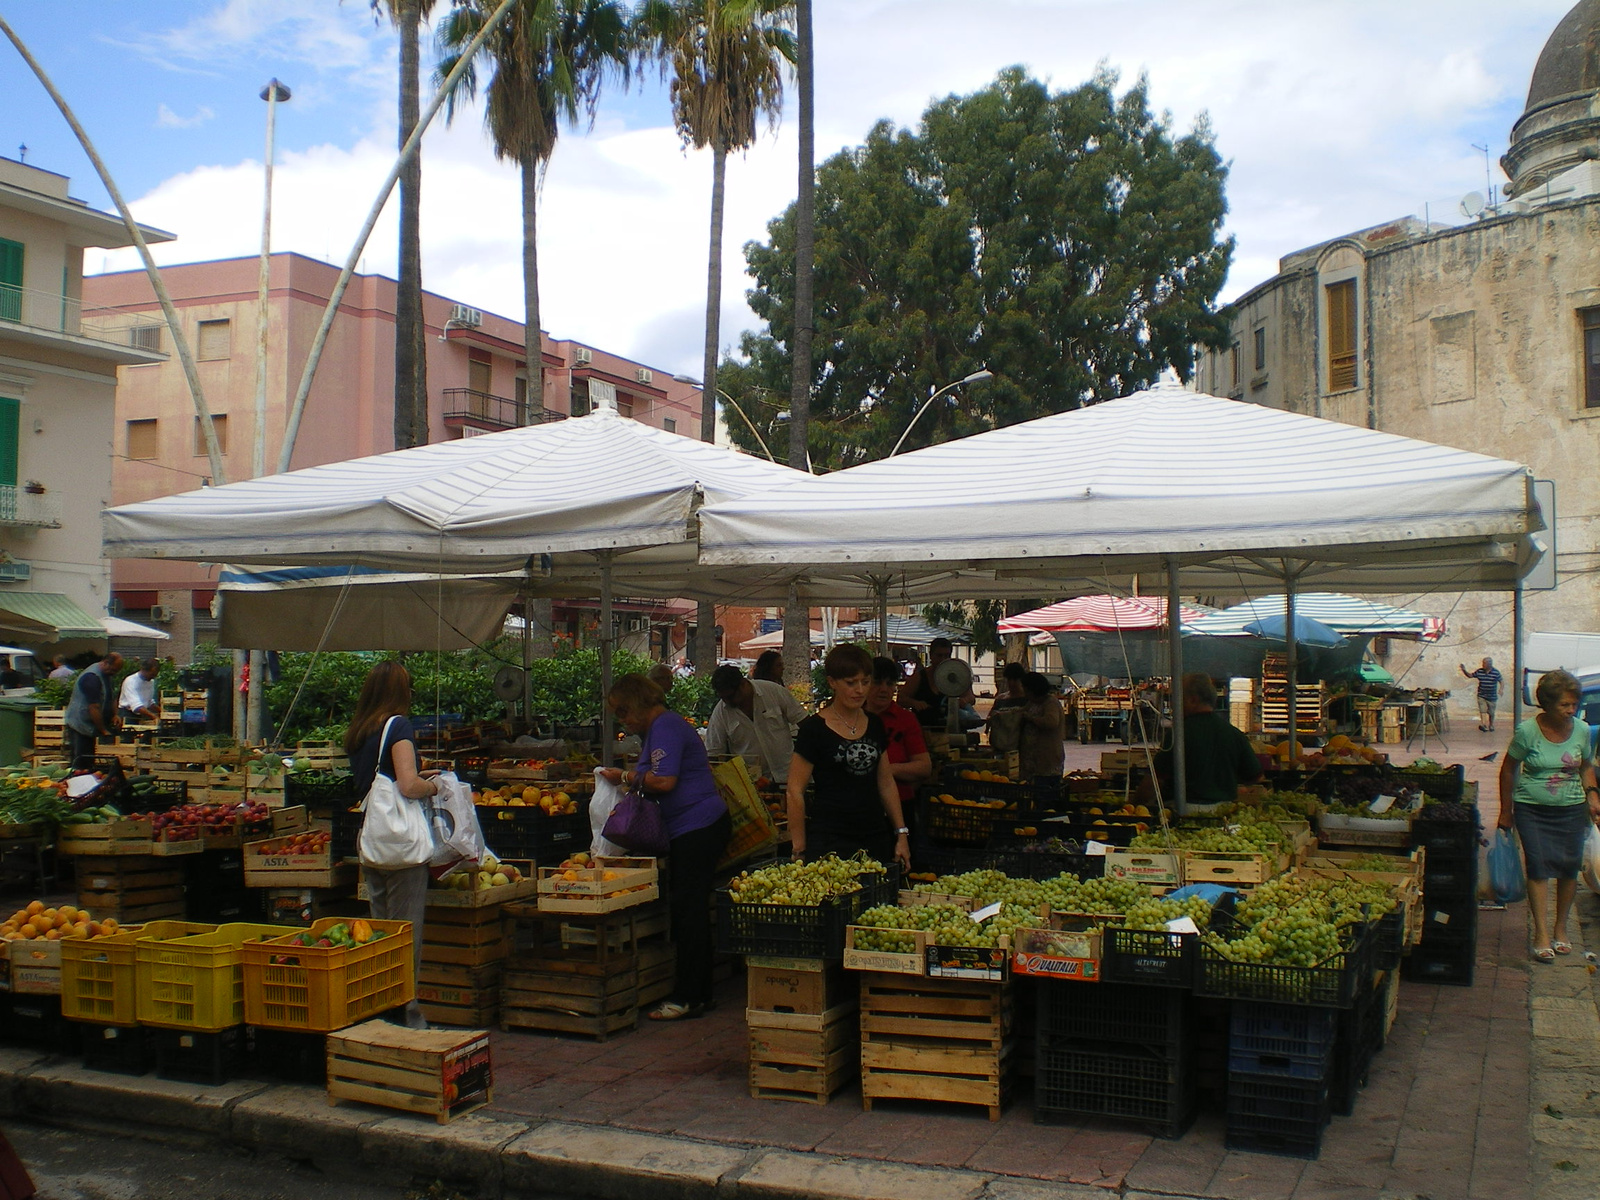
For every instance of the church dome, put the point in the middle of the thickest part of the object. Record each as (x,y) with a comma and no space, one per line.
(1570,61)
(1560,128)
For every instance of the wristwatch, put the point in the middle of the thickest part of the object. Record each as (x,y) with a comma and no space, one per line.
(902,832)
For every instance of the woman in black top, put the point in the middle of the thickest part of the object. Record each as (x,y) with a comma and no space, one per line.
(855,805)
(392,895)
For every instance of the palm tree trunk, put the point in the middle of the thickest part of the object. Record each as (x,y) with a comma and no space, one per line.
(532,347)
(804,242)
(410,372)
(705,642)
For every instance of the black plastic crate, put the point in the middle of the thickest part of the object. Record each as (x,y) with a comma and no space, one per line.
(1152,957)
(1448,785)
(1155,1018)
(1450,923)
(345,826)
(1360,1029)
(1274,1115)
(147,795)
(1030,863)
(316,789)
(1389,938)
(1438,964)
(289,1056)
(208,1058)
(798,930)
(529,832)
(1450,878)
(1331,984)
(1456,838)
(958,824)
(36,1022)
(929,859)
(1077,1080)
(1281,1040)
(118,1049)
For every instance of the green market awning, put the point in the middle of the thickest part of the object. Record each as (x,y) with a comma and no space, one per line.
(46,617)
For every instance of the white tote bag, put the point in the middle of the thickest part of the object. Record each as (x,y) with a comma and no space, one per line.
(457,838)
(395,833)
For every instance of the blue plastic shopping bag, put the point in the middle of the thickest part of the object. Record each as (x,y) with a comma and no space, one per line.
(1505,868)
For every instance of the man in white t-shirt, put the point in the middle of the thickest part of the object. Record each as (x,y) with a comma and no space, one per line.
(137,700)
(756,719)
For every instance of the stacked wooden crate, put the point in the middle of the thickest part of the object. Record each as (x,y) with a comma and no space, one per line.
(804,1033)
(465,941)
(935,1039)
(132,888)
(49,728)
(587,973)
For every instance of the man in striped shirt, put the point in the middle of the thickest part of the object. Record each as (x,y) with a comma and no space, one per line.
(1489,681)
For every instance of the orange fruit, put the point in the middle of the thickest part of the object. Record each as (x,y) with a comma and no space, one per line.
(53,935)
(35,907)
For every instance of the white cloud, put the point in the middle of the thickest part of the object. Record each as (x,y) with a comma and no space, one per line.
(1335,114)
(167,119)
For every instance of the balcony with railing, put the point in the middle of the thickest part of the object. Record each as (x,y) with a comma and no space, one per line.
(51,318)
(23,506)
(481,412)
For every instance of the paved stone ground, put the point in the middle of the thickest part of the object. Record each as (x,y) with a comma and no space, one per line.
(1446,1114)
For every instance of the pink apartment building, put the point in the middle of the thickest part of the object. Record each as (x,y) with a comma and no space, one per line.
(476,384)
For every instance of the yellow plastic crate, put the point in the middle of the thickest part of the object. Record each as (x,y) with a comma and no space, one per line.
(196,983)
(99,975)
(319,989)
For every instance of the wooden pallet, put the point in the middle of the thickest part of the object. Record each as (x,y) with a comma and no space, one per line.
(935,1039)
(440,1074)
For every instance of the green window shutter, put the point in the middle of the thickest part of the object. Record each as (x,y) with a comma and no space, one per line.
(10,280)
(10,416)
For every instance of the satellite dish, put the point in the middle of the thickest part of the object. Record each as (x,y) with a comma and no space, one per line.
(952,677)
(1472,204)
(508,683)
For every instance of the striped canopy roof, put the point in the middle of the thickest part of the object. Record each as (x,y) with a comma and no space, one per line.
(1098,614)
(1346,614)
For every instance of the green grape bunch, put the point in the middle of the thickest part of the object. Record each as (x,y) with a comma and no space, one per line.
(802,883)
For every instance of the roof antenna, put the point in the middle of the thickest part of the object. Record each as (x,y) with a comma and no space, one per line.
(22,152)
(1488,185)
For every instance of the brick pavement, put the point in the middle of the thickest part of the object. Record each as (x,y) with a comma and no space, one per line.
(1445,1114)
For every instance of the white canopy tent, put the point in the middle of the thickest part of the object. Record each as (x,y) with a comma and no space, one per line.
(1208,490)
(1345,614)
(560,502)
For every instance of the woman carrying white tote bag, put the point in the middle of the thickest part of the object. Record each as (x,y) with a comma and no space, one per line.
(395,841)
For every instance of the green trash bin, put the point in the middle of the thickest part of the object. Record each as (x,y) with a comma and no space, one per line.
(16,727)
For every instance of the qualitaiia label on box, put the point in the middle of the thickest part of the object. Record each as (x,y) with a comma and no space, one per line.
(467,1073)
(968,962)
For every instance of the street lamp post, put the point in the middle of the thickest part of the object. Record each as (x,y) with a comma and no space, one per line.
(734,404)
(975,377)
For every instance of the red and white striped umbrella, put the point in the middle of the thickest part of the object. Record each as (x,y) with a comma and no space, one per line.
(1098,613)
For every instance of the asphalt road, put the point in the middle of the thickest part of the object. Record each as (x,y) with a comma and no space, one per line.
(75,1165)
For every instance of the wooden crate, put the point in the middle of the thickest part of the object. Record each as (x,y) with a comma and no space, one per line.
(469,938)
(132,890)
(1227,867)
(804,987)
(469,1008)
(597,938)
(49,728)
(440,1074)
(110,839)
(806,1064)
(935,1039)
(585,997)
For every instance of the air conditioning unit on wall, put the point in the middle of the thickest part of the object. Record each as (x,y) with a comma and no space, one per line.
(645,375)
(460,314)
(582,355)
(160,613)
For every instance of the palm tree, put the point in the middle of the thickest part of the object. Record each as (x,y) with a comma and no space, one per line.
(550,58)
(796,619)
(726,58)
(410,363)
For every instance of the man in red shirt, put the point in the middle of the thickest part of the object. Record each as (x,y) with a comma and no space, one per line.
(908,751)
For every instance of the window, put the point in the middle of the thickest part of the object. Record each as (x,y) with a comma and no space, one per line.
(1591,357)
(1261,349)
(670,425)
(142,440)
(214,339)
(580,397)
(1342,374)
(1233,355)
(10,420)
(624,404)
(145,337)
(480,370)
(219,422)
(10,280)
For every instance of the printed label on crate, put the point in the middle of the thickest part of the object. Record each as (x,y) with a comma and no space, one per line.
(1055,966)
(967,962)
(1137,866)
(467,1072)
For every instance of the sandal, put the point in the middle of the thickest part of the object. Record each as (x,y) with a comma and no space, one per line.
(670,1010)
(1543,955)
(1561,947)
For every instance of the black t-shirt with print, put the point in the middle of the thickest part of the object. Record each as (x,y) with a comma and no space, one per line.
(845,803)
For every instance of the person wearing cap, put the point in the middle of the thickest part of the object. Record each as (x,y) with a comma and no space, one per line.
(755,719)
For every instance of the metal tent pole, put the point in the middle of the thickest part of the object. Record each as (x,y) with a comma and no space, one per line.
(1180,768)
(1517,635)
(608,746)
(882,588)
(1291,666)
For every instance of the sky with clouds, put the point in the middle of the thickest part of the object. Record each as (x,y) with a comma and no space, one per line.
(1335,115)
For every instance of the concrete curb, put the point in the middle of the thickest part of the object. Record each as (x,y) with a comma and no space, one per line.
(502,1159)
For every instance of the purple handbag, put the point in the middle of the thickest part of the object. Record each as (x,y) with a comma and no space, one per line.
(636,824)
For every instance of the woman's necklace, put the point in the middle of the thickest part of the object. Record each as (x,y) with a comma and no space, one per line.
(853,728)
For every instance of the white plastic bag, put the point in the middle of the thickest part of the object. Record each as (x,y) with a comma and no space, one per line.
(1590,866)
(457,837)
(606,795)
(395,833)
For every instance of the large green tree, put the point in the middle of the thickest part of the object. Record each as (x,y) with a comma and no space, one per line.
(1066,240)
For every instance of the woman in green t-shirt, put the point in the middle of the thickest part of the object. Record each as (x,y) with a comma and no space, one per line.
(1548,791)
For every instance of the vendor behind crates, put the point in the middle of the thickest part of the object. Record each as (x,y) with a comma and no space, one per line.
(137,700)
(1217,758)
(754,719)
